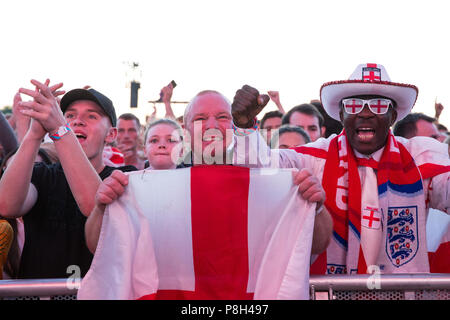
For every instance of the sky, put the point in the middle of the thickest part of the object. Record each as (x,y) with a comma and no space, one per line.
(289,46)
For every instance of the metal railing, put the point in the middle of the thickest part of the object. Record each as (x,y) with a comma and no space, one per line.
(39,289)
(326,287)
(432,286)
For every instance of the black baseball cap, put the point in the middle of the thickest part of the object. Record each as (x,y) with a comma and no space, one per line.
(93,95)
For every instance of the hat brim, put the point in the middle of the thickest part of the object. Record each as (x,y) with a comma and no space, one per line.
(75,95)
(331,94)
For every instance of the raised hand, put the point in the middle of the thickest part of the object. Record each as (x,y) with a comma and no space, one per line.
(247,104)
(274,96)
(438,107)
(54,89)
(45,105)
(167,92)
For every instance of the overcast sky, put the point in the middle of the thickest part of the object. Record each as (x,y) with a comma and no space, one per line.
(289,46)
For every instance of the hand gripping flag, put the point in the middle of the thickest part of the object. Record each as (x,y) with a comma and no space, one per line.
(206,232)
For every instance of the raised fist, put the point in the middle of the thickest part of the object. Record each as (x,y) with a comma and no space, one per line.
(247,104)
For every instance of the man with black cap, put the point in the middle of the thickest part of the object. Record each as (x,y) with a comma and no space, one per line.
(55,200)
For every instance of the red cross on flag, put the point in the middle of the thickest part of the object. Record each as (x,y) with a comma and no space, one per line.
(354,106)
(380,106)
(371,73)
(371,218)
(201,233)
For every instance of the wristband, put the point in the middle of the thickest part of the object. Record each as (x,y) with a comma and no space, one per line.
(245,131)
(61,131)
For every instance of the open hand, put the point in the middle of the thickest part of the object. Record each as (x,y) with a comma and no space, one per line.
(45,105)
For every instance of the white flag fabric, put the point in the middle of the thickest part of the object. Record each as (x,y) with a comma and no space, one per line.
(206,232)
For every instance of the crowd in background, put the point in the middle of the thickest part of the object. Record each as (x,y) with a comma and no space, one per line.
(134,146)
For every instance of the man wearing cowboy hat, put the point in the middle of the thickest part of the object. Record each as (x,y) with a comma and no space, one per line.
(378,186)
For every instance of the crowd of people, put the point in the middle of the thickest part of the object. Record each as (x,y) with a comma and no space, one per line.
(373,167)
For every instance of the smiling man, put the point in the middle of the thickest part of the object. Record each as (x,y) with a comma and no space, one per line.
(378,186)
(55,200)
(208,122)
(209,134)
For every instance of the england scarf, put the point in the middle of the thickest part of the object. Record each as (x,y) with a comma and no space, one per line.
(402,206)
(206,232)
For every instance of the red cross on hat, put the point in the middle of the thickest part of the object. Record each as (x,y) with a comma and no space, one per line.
(368,79)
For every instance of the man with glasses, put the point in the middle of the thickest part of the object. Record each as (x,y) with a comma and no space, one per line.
(378,186)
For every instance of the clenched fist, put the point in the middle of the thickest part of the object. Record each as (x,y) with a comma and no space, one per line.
(247,104)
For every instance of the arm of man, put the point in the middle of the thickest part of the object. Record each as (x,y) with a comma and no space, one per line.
(439,193)
(250,148)
(431,156)
(323,228)
(247,104)
(109,190)
(8,138)
(310,188)
(22,121)
(80,174)
(167,92)
(438,107)
(17,194)
(275,97)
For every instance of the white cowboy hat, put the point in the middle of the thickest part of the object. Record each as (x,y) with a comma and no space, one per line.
(368,79)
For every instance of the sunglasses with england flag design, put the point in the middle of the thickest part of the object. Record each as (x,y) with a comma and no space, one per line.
(377,106)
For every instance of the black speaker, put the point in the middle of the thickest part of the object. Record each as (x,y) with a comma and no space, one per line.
(134,94)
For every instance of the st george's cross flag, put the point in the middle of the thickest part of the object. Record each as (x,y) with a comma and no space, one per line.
(206,232)
(438,241)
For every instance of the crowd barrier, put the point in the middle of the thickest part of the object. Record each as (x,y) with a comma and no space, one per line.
(326,287)
(422,286)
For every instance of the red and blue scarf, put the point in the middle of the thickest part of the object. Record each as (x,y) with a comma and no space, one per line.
(401,200)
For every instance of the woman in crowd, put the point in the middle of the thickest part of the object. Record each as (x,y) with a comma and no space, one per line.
(163,149)
(163,144)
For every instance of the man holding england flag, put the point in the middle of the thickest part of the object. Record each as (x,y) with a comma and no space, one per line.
(206,232)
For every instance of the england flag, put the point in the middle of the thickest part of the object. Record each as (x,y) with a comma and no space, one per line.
(206,232)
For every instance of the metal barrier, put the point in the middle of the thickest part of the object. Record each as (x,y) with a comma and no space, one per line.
(39,289)
(423,286)
(326,287)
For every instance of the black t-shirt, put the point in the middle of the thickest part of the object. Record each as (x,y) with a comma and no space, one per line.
(54,227)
